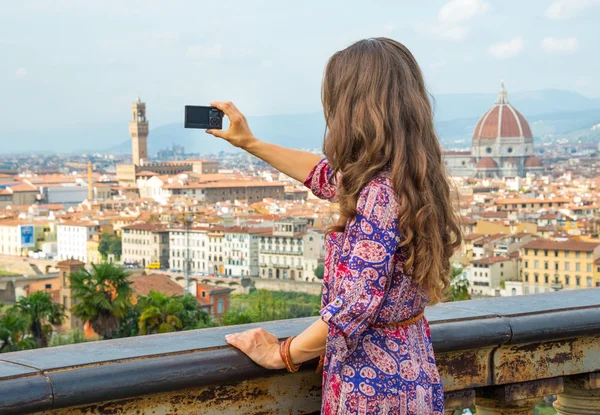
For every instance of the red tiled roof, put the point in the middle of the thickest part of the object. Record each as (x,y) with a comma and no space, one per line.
(143,284)
(487,163)
(491,260)
(562,245)
(150,227)
(533,161)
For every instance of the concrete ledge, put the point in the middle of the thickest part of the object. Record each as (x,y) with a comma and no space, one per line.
(475,343)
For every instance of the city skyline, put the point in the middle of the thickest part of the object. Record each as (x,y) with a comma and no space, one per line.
(89,67)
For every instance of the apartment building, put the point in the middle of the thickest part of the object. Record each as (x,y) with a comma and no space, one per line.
(240,248)
(145,243)
(72,238)
(18,236)
(197,241)
(282,251)
(554,265)
(487,275)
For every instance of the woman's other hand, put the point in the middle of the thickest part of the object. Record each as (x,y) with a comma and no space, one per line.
(260,346)
(238,133)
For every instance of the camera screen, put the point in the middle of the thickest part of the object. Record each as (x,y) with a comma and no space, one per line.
(197,114)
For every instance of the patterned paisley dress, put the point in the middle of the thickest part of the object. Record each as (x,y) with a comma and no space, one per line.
(370,366)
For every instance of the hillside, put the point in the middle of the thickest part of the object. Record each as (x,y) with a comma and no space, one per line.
(550,112)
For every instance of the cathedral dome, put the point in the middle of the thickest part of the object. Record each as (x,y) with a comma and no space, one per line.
(487,163)
(502,121)
(533,161)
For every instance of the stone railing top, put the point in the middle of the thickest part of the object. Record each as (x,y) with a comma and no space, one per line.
(84,373)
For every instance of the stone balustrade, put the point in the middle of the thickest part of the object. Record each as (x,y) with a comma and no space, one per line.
(501,355)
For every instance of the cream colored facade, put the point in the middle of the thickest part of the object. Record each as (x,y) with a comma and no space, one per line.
(550,265)
(282,252)
(492,228)
(144,244)
(12,243)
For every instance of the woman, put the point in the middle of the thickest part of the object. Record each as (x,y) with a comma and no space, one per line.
(389,255)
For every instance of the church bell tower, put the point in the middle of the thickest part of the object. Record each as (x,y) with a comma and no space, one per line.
(138,129)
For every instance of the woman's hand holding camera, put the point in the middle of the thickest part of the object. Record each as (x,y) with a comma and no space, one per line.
(238,134)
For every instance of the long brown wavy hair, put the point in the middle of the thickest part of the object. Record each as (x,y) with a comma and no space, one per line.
(379,116)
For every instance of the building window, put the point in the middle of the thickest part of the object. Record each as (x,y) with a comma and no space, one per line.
(566,254)
(567,280)
(555,253)
(577,254)
(566,266)
(546,278)
(578,281)
(526,277)
(535,264)
(577,266)
(545,264)
(589,282)
(220,306)
(536,278)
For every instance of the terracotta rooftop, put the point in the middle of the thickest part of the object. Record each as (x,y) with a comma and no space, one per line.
(143,284)
(491,260)
(149,227)
(562,245)
(486,163)
(533,161)
(502,120)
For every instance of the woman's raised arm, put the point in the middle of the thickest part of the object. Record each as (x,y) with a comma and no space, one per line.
(295,163)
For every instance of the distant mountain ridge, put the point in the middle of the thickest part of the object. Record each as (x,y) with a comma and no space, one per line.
(548,111)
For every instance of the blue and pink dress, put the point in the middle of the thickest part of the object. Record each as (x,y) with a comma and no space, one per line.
(372,366)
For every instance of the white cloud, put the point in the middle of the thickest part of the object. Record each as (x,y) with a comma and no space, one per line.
(21,73)
(437,65)
(443,31)
(388,28)
(565,9)
(506,50)
(455,33)
(461,10)
(581,81)
(266,63)
(203,51)
(166,36)
(553,45)
(452,19)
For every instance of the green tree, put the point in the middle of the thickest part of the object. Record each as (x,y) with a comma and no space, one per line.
(320,271)
(13,331)
(459,288)
(128,324)
(103,296)
(72,337)
(233,317)
(161,313)
(42,313)
(110,244)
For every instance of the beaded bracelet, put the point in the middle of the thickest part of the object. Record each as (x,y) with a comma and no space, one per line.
(284,352)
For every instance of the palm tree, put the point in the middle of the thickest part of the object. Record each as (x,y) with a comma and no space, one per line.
(42,313)
(13,329)
(103,296)
(161,313)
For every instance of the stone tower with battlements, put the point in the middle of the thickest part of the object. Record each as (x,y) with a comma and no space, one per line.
(138,129)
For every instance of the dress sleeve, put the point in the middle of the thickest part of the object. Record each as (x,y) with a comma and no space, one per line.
(364,271)
(318,181)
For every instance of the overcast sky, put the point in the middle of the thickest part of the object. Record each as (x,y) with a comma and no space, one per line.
(72,62)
